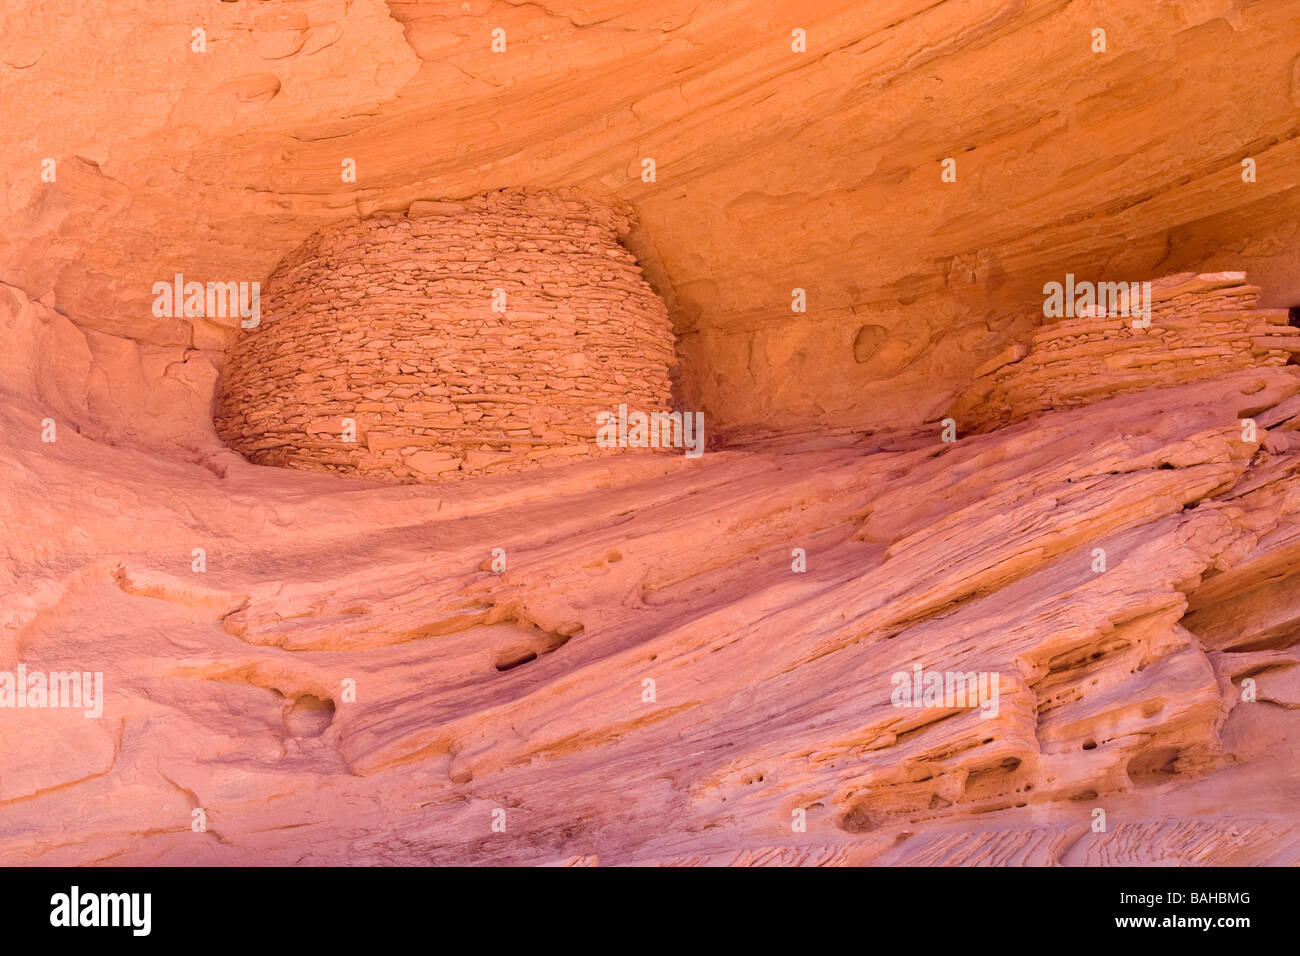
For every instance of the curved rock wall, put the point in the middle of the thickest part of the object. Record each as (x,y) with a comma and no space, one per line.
(394,323)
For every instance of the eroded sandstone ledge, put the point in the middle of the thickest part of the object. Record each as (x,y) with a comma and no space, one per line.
(389,323)
(523,691)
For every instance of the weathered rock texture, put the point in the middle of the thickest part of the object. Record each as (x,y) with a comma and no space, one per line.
(1121,683)
(775,169)
(1201,326)
(677,656)
(389,323)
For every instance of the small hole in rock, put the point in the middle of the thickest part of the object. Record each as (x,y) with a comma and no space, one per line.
(309,716)
(508,665)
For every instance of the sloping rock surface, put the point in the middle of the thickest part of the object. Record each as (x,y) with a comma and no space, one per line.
(681,661)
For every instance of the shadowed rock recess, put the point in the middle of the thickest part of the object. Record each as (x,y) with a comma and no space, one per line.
(958,580)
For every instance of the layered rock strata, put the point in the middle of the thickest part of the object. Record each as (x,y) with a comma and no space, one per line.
(347,680)
(1201,327)
(462,338)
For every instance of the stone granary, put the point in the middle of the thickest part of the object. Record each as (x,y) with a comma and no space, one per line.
(462,338)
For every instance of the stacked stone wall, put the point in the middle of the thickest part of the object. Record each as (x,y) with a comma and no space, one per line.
(1202,326)
(389,323)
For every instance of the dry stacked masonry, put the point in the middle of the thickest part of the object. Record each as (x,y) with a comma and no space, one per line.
(1202,327)
(389,322)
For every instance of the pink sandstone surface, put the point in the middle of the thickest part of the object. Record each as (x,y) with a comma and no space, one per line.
(329,652)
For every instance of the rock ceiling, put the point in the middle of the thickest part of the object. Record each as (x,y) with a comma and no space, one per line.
(775,170)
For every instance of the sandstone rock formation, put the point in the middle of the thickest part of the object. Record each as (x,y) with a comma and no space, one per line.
(650,658)
(374,692)
(467,338)
(775,170)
